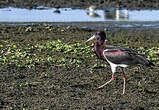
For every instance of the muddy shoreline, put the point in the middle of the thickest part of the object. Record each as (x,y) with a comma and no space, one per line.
(129,4)
(126,25)
(48,67)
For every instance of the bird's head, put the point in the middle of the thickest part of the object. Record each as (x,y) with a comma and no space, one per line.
(99,36)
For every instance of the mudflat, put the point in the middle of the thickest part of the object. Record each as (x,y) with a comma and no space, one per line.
(44,67)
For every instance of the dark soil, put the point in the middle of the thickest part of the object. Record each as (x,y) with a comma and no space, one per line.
(129,4)
(72,88)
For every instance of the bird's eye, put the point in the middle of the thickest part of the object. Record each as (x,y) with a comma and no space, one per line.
(98,36)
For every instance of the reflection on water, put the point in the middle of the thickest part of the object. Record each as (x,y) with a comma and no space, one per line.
(57,11)
(45,14)
(116,14)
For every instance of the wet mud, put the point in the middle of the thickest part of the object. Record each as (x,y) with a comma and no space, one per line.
(47,85)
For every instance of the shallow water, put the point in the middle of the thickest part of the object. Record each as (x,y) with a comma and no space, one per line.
(45,14)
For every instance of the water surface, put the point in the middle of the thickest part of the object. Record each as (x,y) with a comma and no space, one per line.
(45,14)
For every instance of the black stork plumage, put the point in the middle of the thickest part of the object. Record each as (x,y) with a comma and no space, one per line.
(116,56)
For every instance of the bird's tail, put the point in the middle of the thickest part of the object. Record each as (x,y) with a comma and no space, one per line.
(145,62)
(150,64)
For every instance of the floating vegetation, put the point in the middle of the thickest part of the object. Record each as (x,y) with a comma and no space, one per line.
(152,53)
(44,52)
(56,52)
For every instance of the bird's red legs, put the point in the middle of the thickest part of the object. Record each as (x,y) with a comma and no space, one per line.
(124,79)
(113,68)
(100,87)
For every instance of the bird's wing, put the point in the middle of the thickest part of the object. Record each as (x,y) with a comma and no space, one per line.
(116,48)
(119,55)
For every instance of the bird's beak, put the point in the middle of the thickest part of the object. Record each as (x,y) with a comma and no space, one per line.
(90,38)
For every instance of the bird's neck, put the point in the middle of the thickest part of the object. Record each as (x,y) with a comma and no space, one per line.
(99,42)
(98,48)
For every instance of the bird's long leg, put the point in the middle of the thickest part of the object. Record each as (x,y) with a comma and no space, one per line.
(113,71)
(124,79)
(100,87)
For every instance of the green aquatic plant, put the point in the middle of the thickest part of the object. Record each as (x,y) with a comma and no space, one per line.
(24,84)
(46,75)
(56,52)
(1,46)
(10,108)
(140,86)
(30,55)
(153,54)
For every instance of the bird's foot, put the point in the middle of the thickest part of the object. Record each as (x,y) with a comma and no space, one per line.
(123,93)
